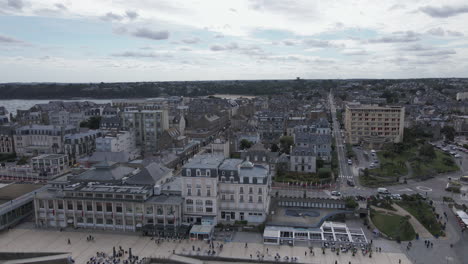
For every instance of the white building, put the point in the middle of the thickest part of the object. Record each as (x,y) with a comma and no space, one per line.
(303,159)
(116,142)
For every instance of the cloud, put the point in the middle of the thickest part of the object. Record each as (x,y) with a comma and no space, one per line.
(133,54)
(437,53)
(444,11)
(119,30)
(15,4)
(453,33)
(111,17)
(9,40)
(131,14)
(230,46)
(397,37)
(436,32)
(356,53)
(316,43)
(191,40)
(219,36)
(289,42)
(150,34)
(60,6)
(417,47)
(396,7)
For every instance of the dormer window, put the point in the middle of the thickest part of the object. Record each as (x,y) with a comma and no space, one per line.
(208,173)
(188,172)
(198,172)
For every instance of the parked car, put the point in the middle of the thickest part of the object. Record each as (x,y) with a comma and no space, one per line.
(383,191)
(335,193)
(350,183)
(396,196)
(350,162)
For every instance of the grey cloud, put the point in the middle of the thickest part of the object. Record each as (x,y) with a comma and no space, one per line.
(185,49)
(356,53)
(119,30)
(111,16)
(150,34)
(230,46)
(321,43)
(219,36)
(397,37)
(60,6)
(289,42)
(191,40)
(131,14)
(417,47)
(140,55)
(453,33)
(444,11)
(437,53)
(16,4)
(9,40)
(436,31)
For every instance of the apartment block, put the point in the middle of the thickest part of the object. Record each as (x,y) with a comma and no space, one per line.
(372,125)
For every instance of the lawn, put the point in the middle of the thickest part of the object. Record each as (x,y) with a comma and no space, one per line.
(392,165)
(394,226)
(294,177)
(424,213)
(443,163)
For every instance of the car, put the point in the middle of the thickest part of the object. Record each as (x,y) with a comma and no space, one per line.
(396,196)
(453,153)
(376,161)
(383,191)
(350,183)
(335,193)
(458,156)
(350,162)
(372,165)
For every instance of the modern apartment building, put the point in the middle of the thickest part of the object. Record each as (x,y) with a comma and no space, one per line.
(148,126)
(372,125)
(33,140)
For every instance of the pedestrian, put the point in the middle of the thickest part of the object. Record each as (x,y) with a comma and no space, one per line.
(69,242)
(267,250)
(305,253)
(399,261)
(245,245)
(250,256)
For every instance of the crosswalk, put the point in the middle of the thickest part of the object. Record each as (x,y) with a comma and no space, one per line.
(346,177)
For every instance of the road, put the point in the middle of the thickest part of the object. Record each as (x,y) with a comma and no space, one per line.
(345,170)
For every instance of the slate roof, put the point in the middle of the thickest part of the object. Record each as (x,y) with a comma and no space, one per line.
(149,175)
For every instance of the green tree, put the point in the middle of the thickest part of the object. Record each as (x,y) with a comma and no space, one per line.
(92,123)
(286,142)
(449,132)
(245,144)
(274,148)
(427,151)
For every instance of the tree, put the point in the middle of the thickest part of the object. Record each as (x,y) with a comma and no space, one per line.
(274,148)
(245,144)
(449,132)
(92,123)
(286,142)
(428,151)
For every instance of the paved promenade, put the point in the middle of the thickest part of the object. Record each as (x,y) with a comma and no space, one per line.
(36,240)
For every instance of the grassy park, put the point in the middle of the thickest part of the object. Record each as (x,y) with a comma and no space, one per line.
(423,212)
(394,226)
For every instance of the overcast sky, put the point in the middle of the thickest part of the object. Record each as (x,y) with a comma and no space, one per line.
(163,40)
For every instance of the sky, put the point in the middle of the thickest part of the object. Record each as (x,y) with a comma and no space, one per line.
(176,40)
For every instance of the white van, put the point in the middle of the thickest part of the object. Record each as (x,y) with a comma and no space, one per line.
(383,191)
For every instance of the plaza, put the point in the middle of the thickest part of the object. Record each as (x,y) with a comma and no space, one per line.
(25,238)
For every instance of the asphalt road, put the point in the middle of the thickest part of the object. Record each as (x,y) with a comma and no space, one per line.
(345,170)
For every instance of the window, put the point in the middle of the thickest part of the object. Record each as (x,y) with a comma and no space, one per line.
(208,192)
(250,190)
(159,210)
(209,210)
(189,191)
(232,197)
(89,206)
(99,207)
(128,208)
(69,205)
(199,202)
(208,173)
(108,207)
(79,206)
(259,190)
(51,204)
(149,209)
(188,173)
(250,199)
(241,190)
(118,208)
(223,197)
(208,203)
(189,201)
(241,198)
(198,172)
(60,204)
(198,192)
(260,199)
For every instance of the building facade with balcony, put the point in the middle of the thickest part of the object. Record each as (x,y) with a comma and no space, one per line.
(33,140)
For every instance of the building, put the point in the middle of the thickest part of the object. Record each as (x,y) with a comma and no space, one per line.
(116,142)
(244,191)
(319,143)
(50,165)
(33,140)
(271,126)
(63,118)
(148,126)
(81,144)
(111,123)
(221,147)
(303,159)
(372,125)
(109,197)
(7,145)
(16,203)
(200,189)
(462,96)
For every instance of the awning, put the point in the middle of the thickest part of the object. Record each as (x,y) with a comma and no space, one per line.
(271,233)
(201,229)
(70,221)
